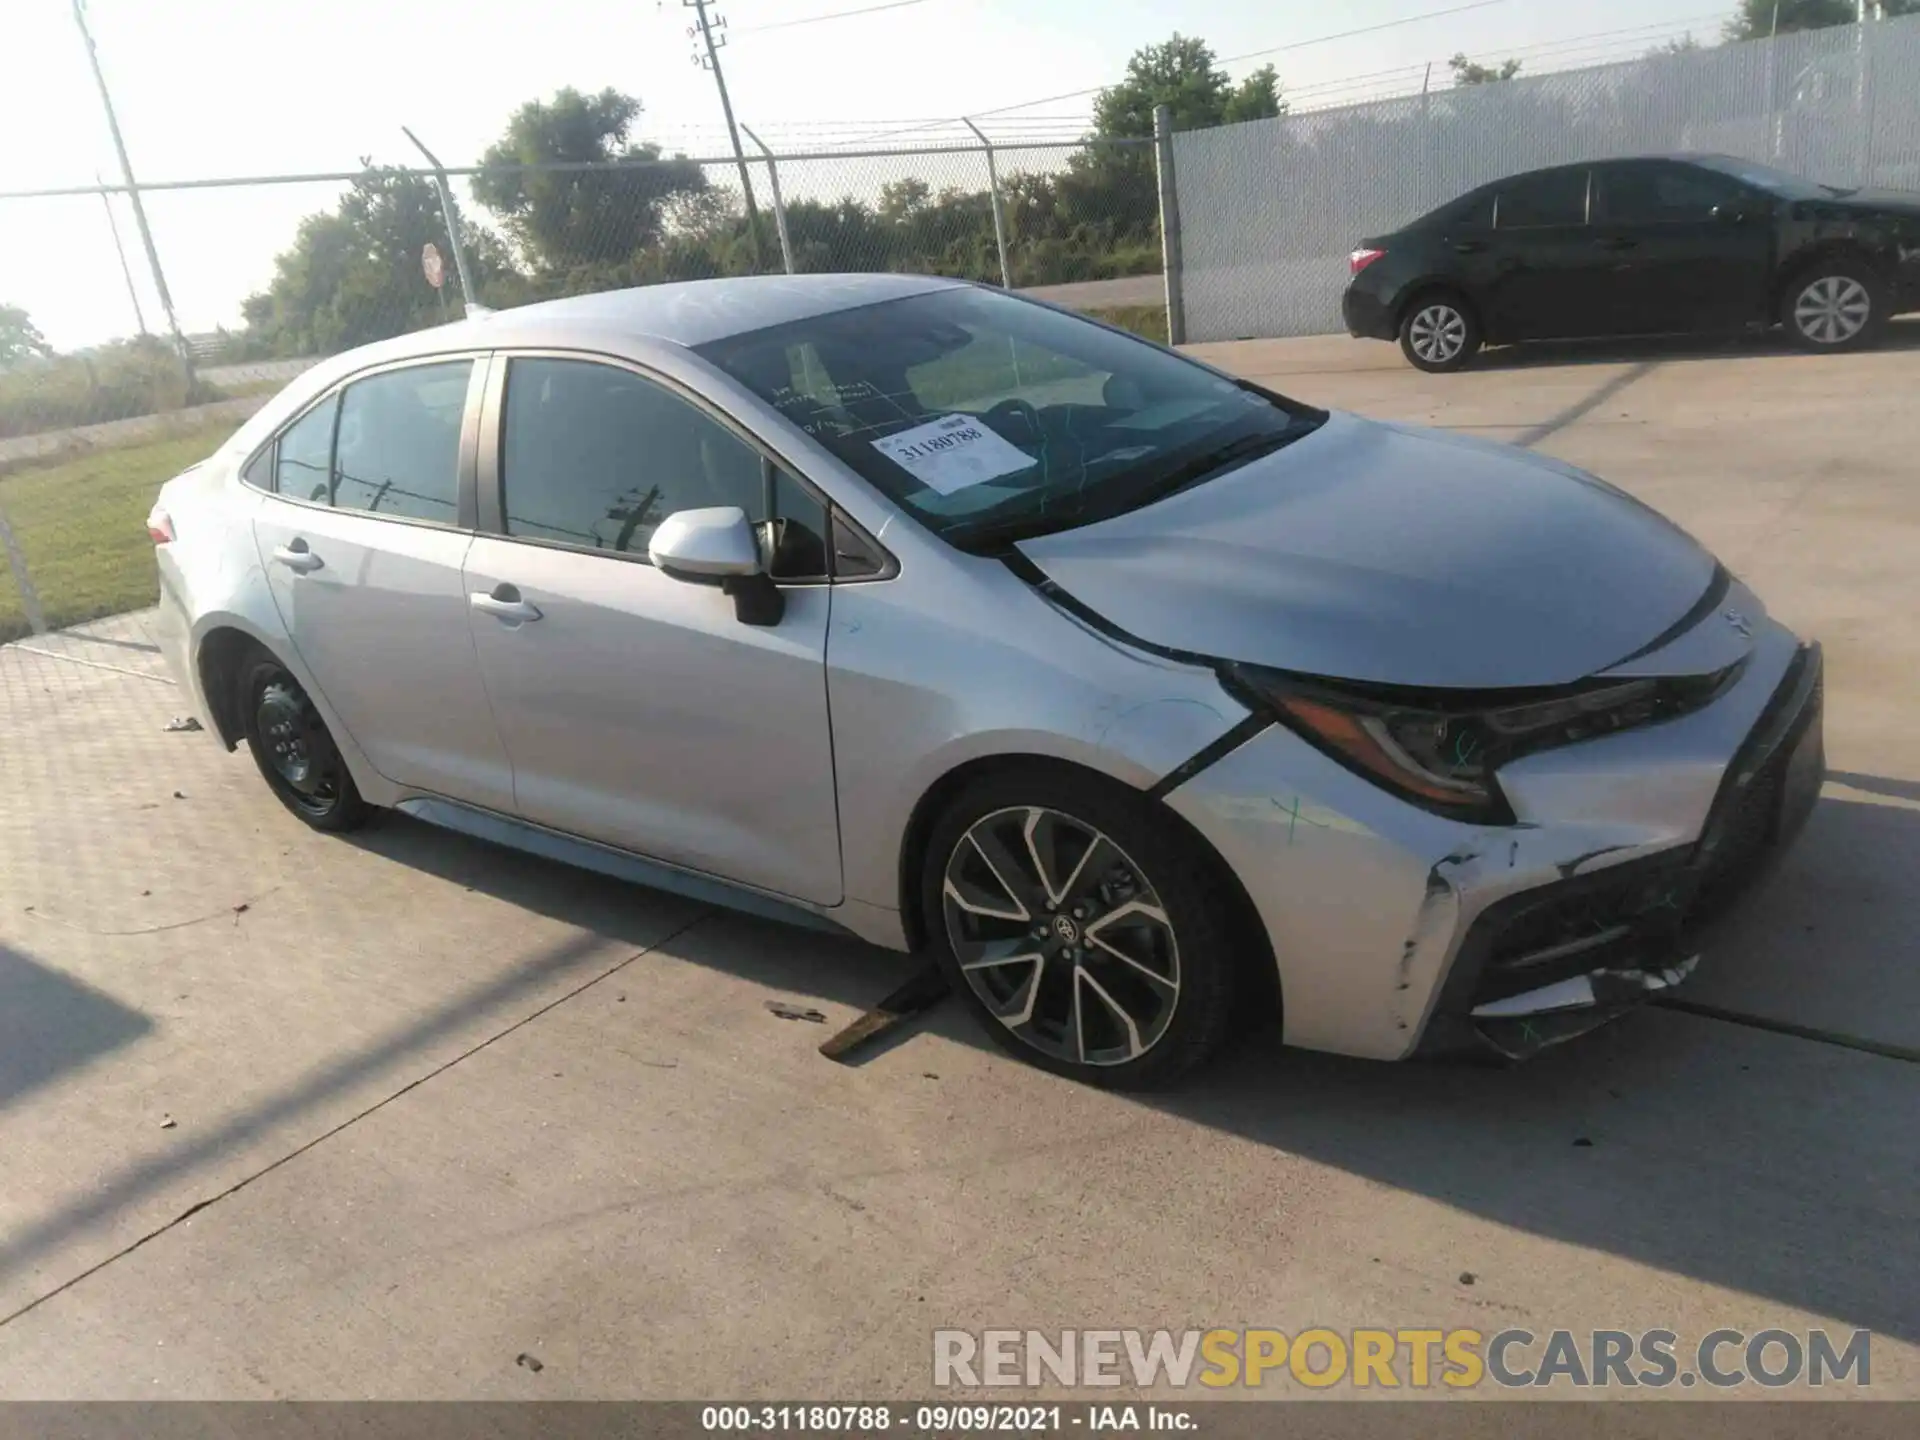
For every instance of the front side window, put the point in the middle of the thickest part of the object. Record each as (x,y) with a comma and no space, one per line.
(399,447)
(1774,182)
(597,456)
(990,417)
(1657,194)
(1558,197)
(304,454)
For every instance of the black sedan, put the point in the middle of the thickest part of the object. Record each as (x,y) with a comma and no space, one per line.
(1656,245)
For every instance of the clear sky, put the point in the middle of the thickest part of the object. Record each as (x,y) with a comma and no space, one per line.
(239,87)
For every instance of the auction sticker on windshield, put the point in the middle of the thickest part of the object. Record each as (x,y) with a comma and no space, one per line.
(952,453)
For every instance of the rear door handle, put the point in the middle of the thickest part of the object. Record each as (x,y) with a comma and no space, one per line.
(1469,247)
(298,558)
(505,605)
(1616,242)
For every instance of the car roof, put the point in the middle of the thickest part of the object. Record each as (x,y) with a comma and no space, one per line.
(682,312)
(677,313)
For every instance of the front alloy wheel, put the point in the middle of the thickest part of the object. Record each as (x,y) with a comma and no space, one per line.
(1061,937)
(1089,932)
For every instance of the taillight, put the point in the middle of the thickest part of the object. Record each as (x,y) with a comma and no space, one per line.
(159,526)
(1360,259)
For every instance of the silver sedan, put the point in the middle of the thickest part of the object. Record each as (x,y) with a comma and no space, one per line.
(1144,698)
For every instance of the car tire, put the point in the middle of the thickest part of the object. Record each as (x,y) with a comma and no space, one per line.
(1834,305)
(1439,332)
(1120,910)
(293,749)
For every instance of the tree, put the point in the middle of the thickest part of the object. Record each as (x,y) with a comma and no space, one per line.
(1256,98)
(19,339)
(1179,73)
(1471,72)
(1756,19)
(352,275)
(1685,45)
(565,219)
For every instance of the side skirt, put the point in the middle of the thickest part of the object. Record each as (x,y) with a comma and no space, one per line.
(620,864)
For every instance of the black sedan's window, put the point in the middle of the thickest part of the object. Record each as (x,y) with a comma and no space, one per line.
(1559,197)
(1653,194)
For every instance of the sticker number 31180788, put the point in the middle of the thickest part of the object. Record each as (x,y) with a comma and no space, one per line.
(952,453)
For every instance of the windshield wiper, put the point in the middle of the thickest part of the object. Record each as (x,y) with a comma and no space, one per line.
(992,535)
(1211,462)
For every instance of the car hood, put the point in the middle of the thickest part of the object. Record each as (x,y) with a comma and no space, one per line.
(1389,553)
(1888,202)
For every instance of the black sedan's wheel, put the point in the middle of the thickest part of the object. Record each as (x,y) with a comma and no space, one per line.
(1081,929)
(1439,332)
(1835,305)
(296,755)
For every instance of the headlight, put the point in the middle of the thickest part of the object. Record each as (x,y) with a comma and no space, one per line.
(1440,749)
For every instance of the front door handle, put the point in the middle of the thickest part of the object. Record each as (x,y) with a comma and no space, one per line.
(298,558)
(505,605)
(1616,242)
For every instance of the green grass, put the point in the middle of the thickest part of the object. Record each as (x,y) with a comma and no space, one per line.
(1147,320)
(82,525)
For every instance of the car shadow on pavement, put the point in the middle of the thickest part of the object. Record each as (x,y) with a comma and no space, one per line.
(1773,1166)
(1901,334)
(51,1024)
(843,970)
(1768,1164)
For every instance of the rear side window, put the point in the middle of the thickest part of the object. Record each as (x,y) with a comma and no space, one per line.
(305,453)
(1469,212)
(1558,197)
(399,448)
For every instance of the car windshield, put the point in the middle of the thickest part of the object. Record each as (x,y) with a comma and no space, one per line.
(992,419)
(1776,182)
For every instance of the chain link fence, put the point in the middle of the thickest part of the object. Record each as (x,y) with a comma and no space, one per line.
(266,275)
(1269,209)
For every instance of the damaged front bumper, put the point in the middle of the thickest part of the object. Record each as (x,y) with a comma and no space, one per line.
(1397,932)
(1557,961)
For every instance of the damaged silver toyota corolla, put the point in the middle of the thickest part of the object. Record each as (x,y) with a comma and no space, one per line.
(1136,693)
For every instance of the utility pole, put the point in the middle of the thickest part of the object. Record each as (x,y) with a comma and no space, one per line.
(707,57)
(133,192)
(126,270)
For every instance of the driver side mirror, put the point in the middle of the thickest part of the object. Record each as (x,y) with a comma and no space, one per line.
(716,546)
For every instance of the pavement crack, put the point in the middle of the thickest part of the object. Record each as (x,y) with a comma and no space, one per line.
(352,1120)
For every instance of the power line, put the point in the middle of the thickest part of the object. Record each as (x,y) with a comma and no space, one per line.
(822,19)
(1271,50)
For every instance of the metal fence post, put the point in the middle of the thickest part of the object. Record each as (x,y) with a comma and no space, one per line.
(1169,225)
(17,563)
(469,300)
(993,191)
(779,205)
